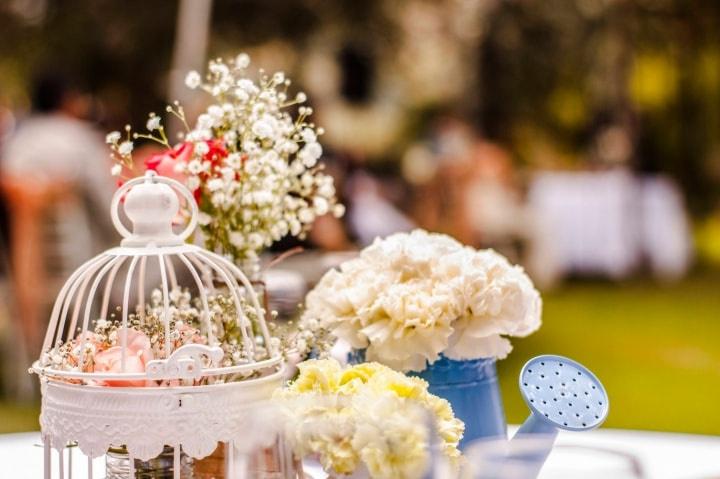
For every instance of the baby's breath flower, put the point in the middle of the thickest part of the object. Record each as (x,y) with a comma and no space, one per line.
(218,68)
(262,128)
(242,60)
(321,205)
(310,153)
(248,158)
(153,122)
(205,122)
(125,148)
(308,135)
(215,184)
(237,239)
(112,137)
(193,80)
(306,215)
(338,210)
(193,183)
(116,170)
(215,111)
(201,148)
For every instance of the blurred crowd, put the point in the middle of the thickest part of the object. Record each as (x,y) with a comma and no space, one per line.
(55,191)
(422,131)
(56,187)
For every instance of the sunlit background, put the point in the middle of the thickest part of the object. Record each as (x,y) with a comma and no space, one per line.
(579,138)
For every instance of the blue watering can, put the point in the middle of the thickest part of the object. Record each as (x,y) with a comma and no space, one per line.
(561,394)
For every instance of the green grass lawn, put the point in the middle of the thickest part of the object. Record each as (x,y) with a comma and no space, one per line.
(18,418)
(655,347)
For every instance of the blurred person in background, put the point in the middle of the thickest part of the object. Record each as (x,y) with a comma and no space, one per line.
(54,175)
(493,208)
(371,211)
(467,186)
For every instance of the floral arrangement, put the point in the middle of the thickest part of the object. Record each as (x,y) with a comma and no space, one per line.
(366,416)
(252,166)
(412,296)
(100,350)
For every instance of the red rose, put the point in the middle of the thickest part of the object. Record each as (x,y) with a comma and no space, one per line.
(166,163)
(216,152)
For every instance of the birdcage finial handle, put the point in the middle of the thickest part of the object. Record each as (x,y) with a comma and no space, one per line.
(151,206)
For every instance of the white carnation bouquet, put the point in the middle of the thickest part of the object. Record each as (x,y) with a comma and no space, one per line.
(411,297)
(367,417)
(251,159)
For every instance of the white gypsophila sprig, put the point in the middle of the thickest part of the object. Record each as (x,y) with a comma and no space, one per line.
(252,162)
(120,150)
(255,165)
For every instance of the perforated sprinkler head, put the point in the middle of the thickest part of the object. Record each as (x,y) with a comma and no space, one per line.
(561,394)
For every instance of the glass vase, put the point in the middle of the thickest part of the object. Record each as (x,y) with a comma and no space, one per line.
(117,465)
(276,462)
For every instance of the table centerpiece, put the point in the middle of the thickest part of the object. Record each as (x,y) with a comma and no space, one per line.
(424,303)
(161,384)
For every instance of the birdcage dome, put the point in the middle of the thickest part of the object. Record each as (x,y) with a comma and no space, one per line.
(155,342)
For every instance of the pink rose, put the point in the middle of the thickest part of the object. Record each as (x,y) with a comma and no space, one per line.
(138,353)
(168,162)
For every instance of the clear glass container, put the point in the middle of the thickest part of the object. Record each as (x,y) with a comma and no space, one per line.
(117,465)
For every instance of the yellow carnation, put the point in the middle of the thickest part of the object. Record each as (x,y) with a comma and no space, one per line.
(354,378)
(366,414)
(319,376)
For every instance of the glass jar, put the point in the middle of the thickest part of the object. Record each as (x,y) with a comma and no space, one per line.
(275,462)
(117,465)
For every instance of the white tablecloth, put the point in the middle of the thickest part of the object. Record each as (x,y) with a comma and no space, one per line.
(578,455)
(607,223)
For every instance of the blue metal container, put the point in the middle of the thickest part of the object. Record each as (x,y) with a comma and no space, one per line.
(471,387)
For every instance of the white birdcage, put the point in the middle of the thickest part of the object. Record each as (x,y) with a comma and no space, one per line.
(154,390)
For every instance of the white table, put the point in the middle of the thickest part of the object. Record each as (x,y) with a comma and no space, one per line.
(660,456)
(607,223)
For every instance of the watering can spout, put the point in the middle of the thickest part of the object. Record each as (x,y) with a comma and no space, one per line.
(534,425)
(531,445)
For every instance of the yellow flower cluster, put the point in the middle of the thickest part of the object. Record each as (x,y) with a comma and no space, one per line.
(368,416)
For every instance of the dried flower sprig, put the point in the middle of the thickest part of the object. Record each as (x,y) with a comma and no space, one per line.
(187,326)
